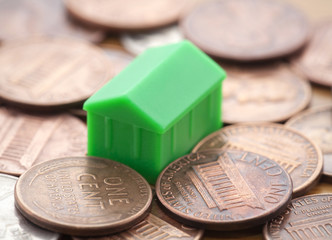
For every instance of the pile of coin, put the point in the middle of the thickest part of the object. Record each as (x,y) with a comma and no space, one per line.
(254,178)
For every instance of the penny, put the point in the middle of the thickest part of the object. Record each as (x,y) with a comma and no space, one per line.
(26,140)
(295,152)
(316,124)
(224,190)
(227,29)
(13,224)
(54,73)
(118,59)
(157,225)
(126,14)
(26,18)
(136,43)
(307,217)
(315,61)
(262,93)
(83,196)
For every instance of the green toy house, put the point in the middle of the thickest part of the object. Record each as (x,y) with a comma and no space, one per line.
(156,109)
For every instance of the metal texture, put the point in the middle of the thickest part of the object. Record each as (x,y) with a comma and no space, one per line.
(53,73)
(262,93)
(26,140)
(83,196)
(224,190)
(246,30)
(295,152)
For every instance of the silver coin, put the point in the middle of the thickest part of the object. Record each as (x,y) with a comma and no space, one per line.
(12,224)
(139,42)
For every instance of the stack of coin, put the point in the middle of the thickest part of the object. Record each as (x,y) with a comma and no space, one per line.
(263,167)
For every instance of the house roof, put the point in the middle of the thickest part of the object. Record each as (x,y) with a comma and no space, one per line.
(158,88)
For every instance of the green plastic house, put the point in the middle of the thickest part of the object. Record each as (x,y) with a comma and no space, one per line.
(156,109)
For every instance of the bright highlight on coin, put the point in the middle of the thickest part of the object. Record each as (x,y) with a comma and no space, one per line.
(83,196)
(224,190)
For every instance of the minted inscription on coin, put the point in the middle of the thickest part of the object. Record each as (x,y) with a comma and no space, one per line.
(224,190)
(83,196)
(315,61)
(307,217)
(227,29)
(316,123)
(295,152)
(13,224)
(53,72)
(157,225)
(126,14)
(263,93)
(26,140)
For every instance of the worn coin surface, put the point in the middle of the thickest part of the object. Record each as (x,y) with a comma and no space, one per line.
(315,61)
(157,225)
(316,123)
(126,14)
(307,217)
(224,190)
(13,224)
(227,29)
(26,18)
(295,152)
(26,140)
(118,59)
(53,72)
(262,93)
(83,196)
(137,43)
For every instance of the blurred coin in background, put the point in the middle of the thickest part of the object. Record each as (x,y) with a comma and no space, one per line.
(137,43)
(316,124)
(47,74)
(315,61)
(26,140)
(27,18)
(292,150)
(126,14)
(246,30)
(262,93)
(13,224)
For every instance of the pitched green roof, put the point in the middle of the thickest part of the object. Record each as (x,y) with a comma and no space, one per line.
(159,87)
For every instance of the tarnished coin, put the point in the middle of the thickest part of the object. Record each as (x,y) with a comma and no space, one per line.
(13,224)
(262,93)
(315,61)
(316,123)
(83,196)
(26,140)
(246,30)
(137,43)
(308,217)
(157,225)
(224,190)
(51,73)
(26,18)
(295,152)
(126,14)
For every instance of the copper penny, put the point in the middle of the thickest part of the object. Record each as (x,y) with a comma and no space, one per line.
(53,72)
(157,225)
(13,224)
(295,152)
(126,14)
(308,217)
(83,196)
(315,61)
(246,30)
(26,140)
(26,18)
(220,190)
(263,93)
(316,123)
